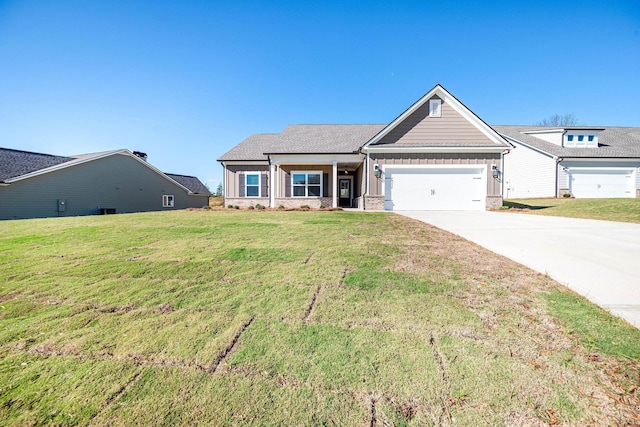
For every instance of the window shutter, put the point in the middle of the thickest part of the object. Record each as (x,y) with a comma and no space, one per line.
(325,184)
(264,190)
(241,187)
(287,185)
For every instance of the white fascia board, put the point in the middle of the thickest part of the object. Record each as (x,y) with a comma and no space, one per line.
(321,159)
(517,141)
(449,99)
(244,162)
(383,149)
(481,167)
(529,132)
(601,159)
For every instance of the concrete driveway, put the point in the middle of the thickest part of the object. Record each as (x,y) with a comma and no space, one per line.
(598,259)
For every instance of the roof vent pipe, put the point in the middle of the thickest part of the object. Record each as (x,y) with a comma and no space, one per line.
(140,154)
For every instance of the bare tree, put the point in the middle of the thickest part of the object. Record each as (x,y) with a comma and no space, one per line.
(567,119)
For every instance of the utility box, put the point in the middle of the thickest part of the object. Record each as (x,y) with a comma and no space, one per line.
(62,207)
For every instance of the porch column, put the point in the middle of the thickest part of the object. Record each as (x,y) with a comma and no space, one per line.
(335,184)
(272,185)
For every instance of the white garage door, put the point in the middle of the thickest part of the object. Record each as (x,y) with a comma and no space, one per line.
(601,183)
(435,188)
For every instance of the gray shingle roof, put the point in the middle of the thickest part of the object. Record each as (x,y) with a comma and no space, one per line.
(304,139)
(620,142)
(14,163)
(191,182)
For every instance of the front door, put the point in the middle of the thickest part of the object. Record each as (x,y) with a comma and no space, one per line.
(344,192)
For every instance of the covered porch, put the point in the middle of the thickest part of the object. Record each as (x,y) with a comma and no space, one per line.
(316,181)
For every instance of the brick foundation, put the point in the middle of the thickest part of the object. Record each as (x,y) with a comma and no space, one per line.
(245,202)
(374,203)
(293,202)
(494,202)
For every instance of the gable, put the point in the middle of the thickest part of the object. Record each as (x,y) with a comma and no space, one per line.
(419,129)
(452,126)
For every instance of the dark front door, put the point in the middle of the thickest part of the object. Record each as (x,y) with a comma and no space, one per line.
(344,192)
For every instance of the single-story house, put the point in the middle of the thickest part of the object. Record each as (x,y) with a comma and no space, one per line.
(595,162)
(36,185)
(436,155)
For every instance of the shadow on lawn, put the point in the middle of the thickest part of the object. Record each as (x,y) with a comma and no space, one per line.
(516,205)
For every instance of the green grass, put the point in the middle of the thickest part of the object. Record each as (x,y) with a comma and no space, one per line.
(293,318)
(623,210)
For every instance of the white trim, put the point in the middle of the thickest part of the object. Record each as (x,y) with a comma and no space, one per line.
(601,159)
(446,98)
(246,174)
(517,141)
(310,159)
(306,185)
(245,162)
(435,107)
(168,201)
(383,149)
(351,181)
(428,166)
(272,178)
(334,174)
(603,168)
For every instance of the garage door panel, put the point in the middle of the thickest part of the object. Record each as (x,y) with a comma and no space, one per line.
(435,189)
(602,183)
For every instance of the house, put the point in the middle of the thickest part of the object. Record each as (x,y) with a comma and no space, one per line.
(36,185)
(592,162)
(436,155)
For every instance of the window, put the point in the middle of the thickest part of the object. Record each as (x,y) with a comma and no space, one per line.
(167,201)
(590,138)
(580,138)
(435,108)
(306,184)
(252,184)
(569,138)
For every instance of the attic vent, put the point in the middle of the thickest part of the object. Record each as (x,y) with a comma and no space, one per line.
(140,154)
(435,107)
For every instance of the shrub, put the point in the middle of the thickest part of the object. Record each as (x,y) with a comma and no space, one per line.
(237,207)
(281,207)
(230,206)
(322,206)
(251,207)
(566,195)
(305,207)
(206,207)
(259,207)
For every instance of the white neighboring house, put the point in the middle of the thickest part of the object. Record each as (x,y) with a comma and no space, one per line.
(585,162)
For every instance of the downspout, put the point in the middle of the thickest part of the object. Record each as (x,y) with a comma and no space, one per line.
(224,184)
(557,186)
(366,182)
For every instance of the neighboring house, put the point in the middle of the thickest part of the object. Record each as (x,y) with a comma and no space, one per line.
(35,185)
(437,155)
(593,162)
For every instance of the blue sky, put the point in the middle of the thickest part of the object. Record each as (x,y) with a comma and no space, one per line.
(184,81)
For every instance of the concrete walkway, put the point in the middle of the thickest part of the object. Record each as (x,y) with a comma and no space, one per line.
(598,259)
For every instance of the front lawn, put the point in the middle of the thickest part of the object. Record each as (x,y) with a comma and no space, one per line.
(623,210)
(294,318)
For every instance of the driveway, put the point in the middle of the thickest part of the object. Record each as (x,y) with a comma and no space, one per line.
(597,259)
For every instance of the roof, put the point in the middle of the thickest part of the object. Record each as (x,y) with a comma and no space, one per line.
(613,142)
(304,139)
(190,182)
(15,163)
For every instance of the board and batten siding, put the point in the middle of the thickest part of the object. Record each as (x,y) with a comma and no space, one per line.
(449,129)
(528,174)
(117,182)
(232,179)
(383,159)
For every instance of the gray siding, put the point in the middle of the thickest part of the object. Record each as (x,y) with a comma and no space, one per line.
(451,129)
(117,181)
(493,184)
(234,186)
(283,180)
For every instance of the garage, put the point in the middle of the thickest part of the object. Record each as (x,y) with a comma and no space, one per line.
(435,187)
(601,182)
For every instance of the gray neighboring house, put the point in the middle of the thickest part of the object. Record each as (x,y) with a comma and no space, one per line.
(583,161)
(436,155)
(36,185)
